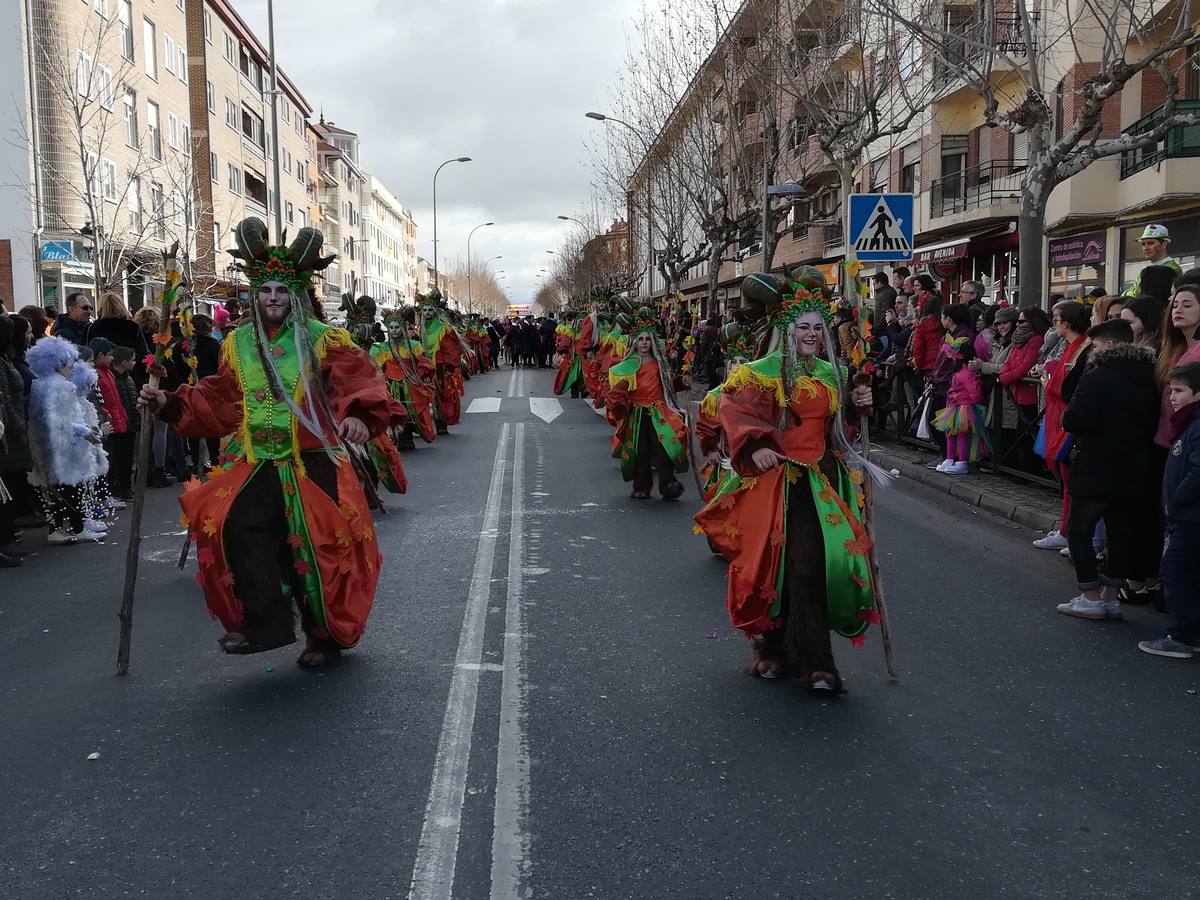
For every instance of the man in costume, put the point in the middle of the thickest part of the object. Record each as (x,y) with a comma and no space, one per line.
(444,348)
(283,522)
(739,344)
(792,530)
(651,432)
(409,373)
(570,364)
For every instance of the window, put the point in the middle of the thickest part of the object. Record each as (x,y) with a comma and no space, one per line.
(179,3)
(250,69)
(879,175)
(101,6)
(178,213)
(212,98)
(214,167)
(300,167)
(231,113)
(303,223)
(185,138)
(910,168)
(252,129)
(91,174)
(131,122)
(287,161)
(1191,77)
(125,17)
(1020,150)
(135,204)
(235,179)
(183,63)
(300,127)
(207,26)
(83,74)
(158,225)
(150,47)
(108,180)
(230,49)
(291,212)
(173,130)
(169,54)
(104,77)
(285,111)
(1058,111)
(153,129)
(256,189)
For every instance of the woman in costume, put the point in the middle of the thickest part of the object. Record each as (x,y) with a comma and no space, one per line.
(793,531)
(570,364)
(284,521)
(651,433)
(409,374)
(444,348)
(739,344)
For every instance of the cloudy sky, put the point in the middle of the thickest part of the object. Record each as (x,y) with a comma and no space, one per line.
(505,82)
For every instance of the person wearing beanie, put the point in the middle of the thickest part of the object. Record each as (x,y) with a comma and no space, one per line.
(122,444)
(116,441)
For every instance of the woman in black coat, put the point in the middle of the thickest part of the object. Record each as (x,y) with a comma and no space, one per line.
(114,323)
(15,459)
(1112,417)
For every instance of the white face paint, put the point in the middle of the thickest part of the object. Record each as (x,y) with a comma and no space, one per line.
(274,302)
(395,330)
(644,344)
(808,334)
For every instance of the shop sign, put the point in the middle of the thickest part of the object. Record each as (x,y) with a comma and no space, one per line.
(1078,250)
(936,255)
(57,251)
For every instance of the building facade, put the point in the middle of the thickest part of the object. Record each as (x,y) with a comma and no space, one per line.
(340,195)
(389,237)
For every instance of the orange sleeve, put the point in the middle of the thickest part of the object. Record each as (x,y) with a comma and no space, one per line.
(748,417)
(356,387)
(212,407)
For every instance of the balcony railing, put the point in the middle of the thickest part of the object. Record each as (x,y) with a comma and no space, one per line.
(987,185)
(1001,36)
(834,237)
(1178,142)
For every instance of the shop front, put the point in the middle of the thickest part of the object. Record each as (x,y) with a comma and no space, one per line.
(1077,263)
(1184,247)
(988,256)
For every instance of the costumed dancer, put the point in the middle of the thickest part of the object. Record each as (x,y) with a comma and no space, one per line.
(739,345)
(963,419)
(793,532)
(62,441)
(570,364)
(409,373)
(585,349)
(284,522)
(651,432)
(445,349)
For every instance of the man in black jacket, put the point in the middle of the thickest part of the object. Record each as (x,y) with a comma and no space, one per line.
(73,324)
(885,299)
(1112,416)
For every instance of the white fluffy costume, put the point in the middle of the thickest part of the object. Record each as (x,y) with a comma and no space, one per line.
(58,426)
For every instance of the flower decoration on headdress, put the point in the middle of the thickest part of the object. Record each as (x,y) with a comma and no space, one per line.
(784,298)
(644,320)
(739,341)
(399,315)
(292,265)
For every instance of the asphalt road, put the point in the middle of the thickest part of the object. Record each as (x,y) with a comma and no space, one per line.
(548,702)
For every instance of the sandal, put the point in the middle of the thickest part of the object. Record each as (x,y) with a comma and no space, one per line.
(824,683)
(235,644)
(316,657)
(640,495)
(767,668)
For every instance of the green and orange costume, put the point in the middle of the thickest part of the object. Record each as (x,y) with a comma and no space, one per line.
(408,371)
(444,348)
(569,376)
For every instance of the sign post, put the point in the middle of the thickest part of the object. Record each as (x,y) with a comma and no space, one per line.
(881,227)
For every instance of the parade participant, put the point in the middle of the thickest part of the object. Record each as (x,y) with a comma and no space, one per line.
(585,349)
(409,373)
(284,519)
(793,532)
(651,433)
(570,364)
(739,346)
(612,350)
(445,350)
(360,318)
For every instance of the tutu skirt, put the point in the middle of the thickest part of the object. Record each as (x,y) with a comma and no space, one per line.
(966,419)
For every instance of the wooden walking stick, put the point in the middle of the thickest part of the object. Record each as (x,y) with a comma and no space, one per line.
(162,341)
(885,625)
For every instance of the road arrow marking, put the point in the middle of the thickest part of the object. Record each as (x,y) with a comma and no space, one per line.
(484,405)
(545,408)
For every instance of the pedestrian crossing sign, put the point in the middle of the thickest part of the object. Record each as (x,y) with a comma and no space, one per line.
(881,227)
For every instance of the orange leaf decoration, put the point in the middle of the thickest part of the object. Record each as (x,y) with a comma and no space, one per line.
(834,519)
(192,484)
(730,529)
(162,339)
(858,546)
(696,529)
(295,541)
(289,488)
(860,581)
(778,539)
(750,482)
(343,538)
(223,492)
(210,527)
(726,502)
(185,521)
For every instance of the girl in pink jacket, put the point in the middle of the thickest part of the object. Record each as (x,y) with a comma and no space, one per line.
(963,419)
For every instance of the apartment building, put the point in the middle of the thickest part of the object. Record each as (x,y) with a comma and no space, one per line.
(965,175)
(339,193)
(389,237)
(230,108)
(111,143)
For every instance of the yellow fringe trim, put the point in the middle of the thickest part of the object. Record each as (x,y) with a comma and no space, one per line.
(708,405)
(746,376)
(298,396)
(614,380)
(333,338)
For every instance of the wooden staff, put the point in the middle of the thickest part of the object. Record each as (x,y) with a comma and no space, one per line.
(885,625)
(133,548)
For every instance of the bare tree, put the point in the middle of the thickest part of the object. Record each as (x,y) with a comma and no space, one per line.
(1020,60)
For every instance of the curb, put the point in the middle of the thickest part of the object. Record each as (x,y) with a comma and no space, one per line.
(969,493)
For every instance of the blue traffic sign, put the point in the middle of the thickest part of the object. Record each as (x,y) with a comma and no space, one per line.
(58,251)
(881,227)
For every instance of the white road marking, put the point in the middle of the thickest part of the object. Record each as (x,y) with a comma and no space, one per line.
(592,407)
(545,408)
(437,851)
(512,383)
(510,828)
(484,405)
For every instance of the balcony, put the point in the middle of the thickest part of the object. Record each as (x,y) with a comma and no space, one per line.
(834,238)
(972,40)
(983,187)
(1180,142)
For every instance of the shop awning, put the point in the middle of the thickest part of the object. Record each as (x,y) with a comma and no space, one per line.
(956,247)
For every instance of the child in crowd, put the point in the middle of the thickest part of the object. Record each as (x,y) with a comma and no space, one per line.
(96,495)
(962,421)
(1181,496)
(62,440)
(116,444)
(124,445)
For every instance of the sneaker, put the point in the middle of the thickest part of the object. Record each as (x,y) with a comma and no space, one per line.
(93,525)
(1112,609)
(64,537)
(1065,552)
(114,503)
(959,468)
(89,534)
(1083,608)
(944,465)
(1053,541)
(1167,646)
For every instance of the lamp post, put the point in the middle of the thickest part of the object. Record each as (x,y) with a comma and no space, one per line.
(572,219)
(601,117)
(460,159)
(470,306)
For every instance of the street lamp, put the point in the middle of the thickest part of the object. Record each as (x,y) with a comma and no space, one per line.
(460,159)
(601,117)
(470,307)
(572,219)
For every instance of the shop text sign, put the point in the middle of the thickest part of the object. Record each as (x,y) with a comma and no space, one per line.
(1077,250)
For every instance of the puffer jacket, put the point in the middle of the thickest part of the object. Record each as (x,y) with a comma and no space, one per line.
(14,447)
(1112,415)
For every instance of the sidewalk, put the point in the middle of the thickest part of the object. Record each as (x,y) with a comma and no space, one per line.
(1034,507)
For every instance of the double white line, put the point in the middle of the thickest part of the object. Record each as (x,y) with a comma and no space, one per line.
(437,852)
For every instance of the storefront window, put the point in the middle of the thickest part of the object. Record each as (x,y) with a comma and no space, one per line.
(1184,247)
